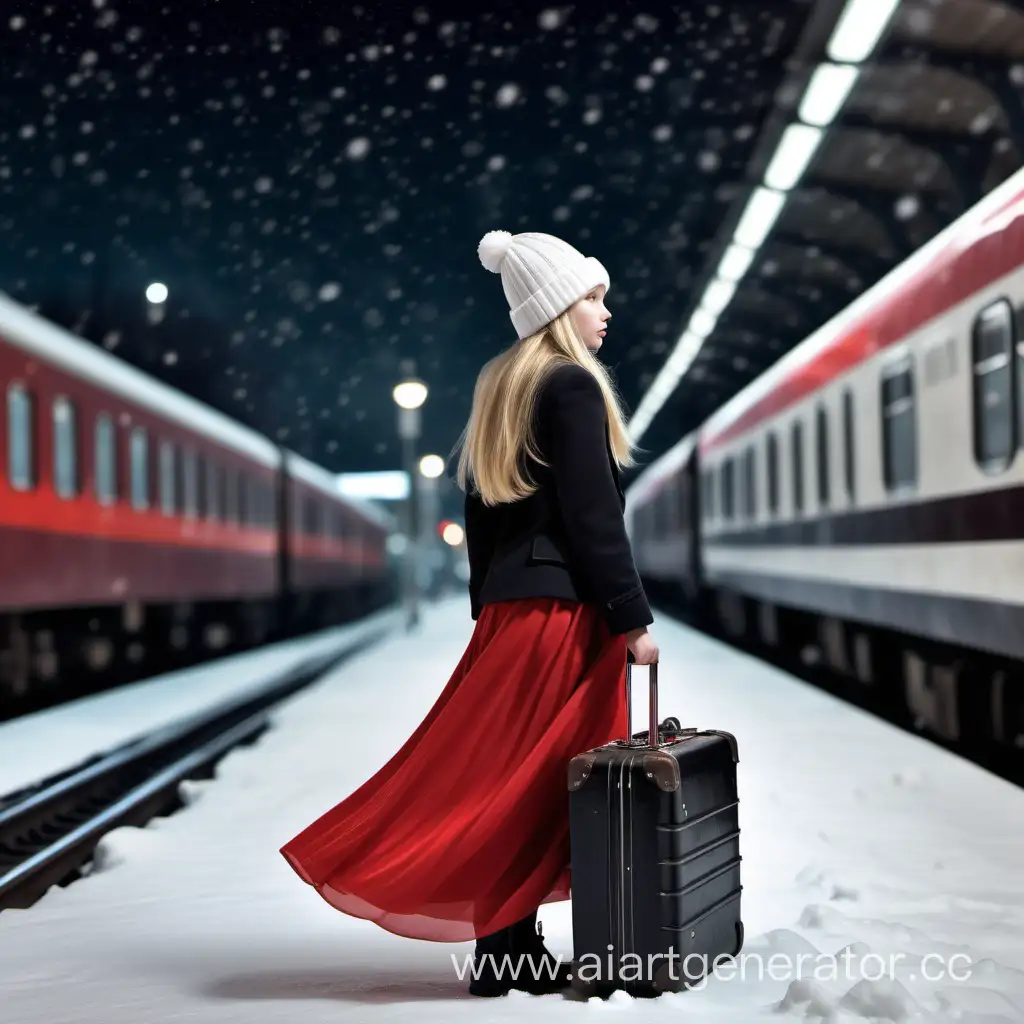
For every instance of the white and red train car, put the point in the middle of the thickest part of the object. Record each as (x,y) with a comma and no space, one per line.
(138,527)
(865,495)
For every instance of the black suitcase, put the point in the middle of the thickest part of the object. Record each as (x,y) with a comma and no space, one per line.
(655,857)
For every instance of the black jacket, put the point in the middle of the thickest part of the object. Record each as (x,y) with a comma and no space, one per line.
(567,539)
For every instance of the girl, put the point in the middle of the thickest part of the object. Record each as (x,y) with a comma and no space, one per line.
(464,833)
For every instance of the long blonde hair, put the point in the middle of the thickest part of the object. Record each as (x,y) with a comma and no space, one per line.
(500,426)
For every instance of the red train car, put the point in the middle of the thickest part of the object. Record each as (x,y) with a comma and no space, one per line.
(335,547)
(141,530)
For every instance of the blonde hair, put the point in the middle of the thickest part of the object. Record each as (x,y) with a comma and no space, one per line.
(500,426)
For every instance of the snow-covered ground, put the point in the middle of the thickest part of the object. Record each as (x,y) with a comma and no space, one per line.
(855,837)
(35,746)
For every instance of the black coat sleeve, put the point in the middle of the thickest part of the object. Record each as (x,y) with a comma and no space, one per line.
(479,547)
(573,413)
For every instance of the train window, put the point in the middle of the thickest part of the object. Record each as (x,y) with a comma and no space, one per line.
(823,463)
(271,505)
(189,484)
(991,349)
(773,474)
(728,488)
(65,448)
(201,482)
(259,515)
(245,511)
(797,444)
(20,438)
(105,455)
(681,494)
(168,479)
(139,453)
(311,518)
(848,445)
(230,495)
(899,431)
(750,483)
(709,493)
(213,489)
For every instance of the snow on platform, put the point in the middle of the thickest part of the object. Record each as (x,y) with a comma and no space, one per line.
(36,746)
(856,837)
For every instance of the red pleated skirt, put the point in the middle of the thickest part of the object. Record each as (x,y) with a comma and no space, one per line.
(466,828)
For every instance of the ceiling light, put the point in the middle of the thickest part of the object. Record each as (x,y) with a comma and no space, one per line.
(702,323)
(735,262)
(760,215)
(799,144)
(826,93)
(718,295)
(859,28)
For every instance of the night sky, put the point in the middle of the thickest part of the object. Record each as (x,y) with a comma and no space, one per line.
(310,180)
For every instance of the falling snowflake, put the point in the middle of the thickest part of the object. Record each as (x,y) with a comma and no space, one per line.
(708,160)
(264,184)
(507,95)
(907,207)
(17,23)
(329,292)
(358,148)
(551,18)
(436,83)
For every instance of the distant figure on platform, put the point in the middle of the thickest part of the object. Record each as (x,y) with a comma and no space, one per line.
(464,833)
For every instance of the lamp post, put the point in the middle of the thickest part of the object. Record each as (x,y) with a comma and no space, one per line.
(431,468)
(409,395)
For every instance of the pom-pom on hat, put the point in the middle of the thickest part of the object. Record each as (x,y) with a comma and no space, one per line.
(542,275)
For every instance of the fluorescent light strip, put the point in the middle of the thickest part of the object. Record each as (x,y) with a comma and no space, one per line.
(762,210)
(799,144)
(702,323)
(826,93)
(859,28)
(735,263)
(856,35)
(718,295)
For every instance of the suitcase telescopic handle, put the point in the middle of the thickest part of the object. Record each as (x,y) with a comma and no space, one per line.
(652,736)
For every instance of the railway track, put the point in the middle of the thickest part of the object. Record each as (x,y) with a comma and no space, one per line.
(49,831)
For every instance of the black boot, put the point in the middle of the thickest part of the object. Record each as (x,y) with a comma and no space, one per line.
(516,958)
(490,957)
(542,972)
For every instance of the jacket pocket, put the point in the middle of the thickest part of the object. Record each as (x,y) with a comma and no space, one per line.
(543,551)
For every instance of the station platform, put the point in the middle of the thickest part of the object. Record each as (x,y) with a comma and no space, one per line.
(883,877)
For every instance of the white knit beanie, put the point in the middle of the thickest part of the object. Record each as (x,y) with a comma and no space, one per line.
(542,275)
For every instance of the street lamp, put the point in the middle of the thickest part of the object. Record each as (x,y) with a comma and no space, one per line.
(409,395)
(453,534)
(431,466)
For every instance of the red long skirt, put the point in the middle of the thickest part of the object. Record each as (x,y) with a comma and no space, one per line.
(466,828)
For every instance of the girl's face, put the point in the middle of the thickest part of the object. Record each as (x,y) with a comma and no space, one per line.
(590,315)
